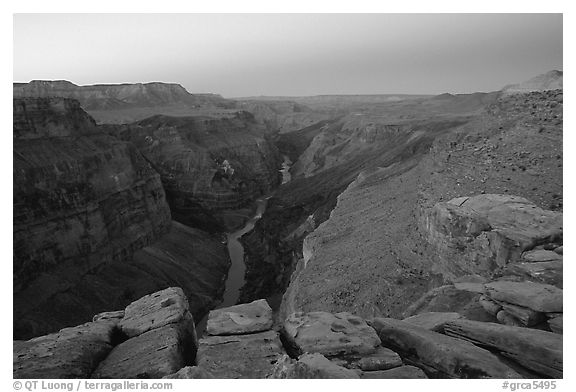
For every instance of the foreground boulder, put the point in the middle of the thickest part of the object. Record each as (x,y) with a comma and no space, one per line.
(536,350)
(153,354)
(450,299)
(154,311)
(310,366)
(240,319)
(475,235)
(401,372)
(240,356)
(547,272)
(434,321)
(536,296)
(70,353)
(161,338)
(439,355)
(340,334)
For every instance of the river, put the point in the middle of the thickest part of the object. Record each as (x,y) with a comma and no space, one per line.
(237,271)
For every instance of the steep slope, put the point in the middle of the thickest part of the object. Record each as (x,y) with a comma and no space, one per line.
(208,165)
(364,130)
(299,206)
(84,204)
(551,80)
(122,103)
(283,116)
(374,255)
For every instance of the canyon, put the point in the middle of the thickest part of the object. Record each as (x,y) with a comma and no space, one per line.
(385,236)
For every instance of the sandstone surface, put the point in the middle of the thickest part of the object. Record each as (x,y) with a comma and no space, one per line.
(341,334)
(536,296)
(310,366)
(70,353)
(255,316)
(402,372)
(240,356)
(440,355)
(540,351)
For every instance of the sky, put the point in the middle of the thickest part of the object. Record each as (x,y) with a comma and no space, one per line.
(240,55)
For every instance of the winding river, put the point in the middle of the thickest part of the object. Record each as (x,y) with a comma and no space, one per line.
(236,273)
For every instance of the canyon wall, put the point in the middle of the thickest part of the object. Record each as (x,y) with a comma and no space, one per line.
(486,192)
(85,204)
(124,103)
(209,166)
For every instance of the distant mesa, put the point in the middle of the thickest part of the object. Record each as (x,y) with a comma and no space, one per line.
(551,80)
(123,103)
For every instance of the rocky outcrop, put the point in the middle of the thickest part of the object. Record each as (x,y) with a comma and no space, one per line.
(552,80)
(488,231)
(239,344)
(208,165)
(154,311)
(153,354)
(332,335)
(433,321)
(539,297)
(92,228)
(161,338)
(152,338)
(70,353)
(122,103)
(401,372)
(440,355)
(310,366)
(240,356)
(536,350)
(240,319)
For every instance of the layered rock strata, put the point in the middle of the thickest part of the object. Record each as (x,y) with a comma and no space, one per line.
(92,228)
(208,165)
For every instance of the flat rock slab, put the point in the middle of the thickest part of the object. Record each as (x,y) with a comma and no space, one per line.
(526,316)
(240,356)
(240,319)
(153,354)
(541,255)
(189,372)
(382,359)
(536,350)
(547,272)
(402,372)
(434,321)
(339,334)
(441,356)
(70,353)
(536,296)
(310,366)
(443,299)
(154,311)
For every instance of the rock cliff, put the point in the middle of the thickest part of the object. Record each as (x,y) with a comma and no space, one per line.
(208,165)
(121,103)
(379,250)
(90,214)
